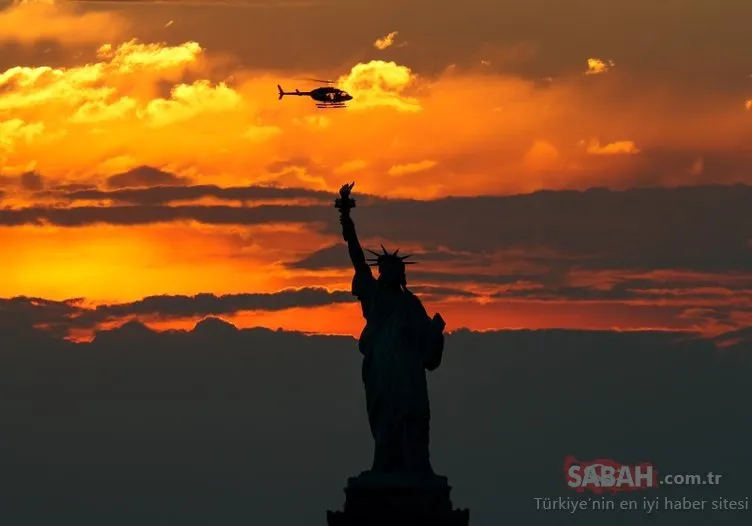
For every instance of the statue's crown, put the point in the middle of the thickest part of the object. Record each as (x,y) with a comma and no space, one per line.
(386,257)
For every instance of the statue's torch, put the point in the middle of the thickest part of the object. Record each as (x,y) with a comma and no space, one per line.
(344,202)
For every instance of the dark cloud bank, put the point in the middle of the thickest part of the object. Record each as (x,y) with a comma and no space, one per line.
(225,426)
(702,228)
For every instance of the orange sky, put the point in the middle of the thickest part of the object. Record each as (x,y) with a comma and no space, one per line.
(94,93)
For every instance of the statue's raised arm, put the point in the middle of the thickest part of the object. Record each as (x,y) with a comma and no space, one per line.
(344,203)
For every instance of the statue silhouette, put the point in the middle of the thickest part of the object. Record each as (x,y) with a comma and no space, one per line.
(399,343)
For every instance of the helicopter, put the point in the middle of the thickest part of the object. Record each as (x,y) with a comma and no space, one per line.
(325,97)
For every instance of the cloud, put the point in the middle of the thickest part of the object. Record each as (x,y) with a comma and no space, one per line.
(33,21)
(202,305)
(629,259)
(189,100)
(542,155)
(144,176)
(378,83)
(91,111)
(31,181)
(86,88)
(598,229)
(134,56)
(596,66)
(163,191)
(351,166)
(399,170)
(615,148)
(261,133)
(386,41)
(30,87)
(93,108)
(16,130)
(707,294)
(127,215)
(98,111)
(334,257)
(69,315)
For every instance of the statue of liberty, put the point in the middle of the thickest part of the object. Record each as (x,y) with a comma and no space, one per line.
(399,343)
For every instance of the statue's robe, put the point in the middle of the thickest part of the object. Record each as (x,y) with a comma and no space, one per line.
(398,343)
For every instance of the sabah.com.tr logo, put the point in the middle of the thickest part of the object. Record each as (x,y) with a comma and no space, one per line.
(607,475)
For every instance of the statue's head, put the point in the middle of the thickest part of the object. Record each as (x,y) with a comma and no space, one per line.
(391,267)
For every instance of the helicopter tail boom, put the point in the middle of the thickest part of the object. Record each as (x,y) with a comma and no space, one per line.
(297,92)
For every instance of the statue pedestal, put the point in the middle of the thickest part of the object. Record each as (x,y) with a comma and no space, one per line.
(397,500)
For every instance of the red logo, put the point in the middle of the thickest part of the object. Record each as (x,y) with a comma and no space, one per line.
(607,475)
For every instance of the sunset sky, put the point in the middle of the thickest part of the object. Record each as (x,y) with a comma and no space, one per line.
(596,155)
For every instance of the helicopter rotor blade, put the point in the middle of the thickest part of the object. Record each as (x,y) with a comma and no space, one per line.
(318,80)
